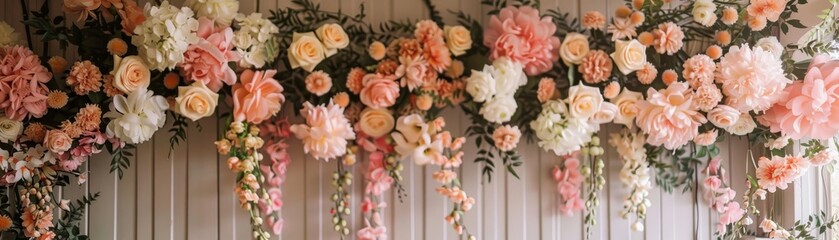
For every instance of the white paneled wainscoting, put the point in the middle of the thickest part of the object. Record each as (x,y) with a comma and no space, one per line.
(188,193)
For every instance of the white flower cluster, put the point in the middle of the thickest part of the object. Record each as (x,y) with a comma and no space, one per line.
(134,119)
(496,86)
(8,36)
(564,126)
(221,11)
(635,175)
(165,35)
(23,163)
(256,39)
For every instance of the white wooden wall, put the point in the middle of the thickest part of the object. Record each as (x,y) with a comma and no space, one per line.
(188,195)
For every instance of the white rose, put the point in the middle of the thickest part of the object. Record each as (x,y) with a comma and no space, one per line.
(574,48)
(196,101)
(627,110)
(607,113)
(743,126)
(458,39)
(499,109)
(583,101)
(333,38)
(772,45)
(376,122)
(480,85)
(222,11)
(305,51)
(508,76)
(703,12)
(778,143)
(9,129)
(630,56)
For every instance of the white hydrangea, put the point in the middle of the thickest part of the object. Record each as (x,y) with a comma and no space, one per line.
(165,35)
(256,39)
(221,11)
(8,36)
(558,132)
(135,118)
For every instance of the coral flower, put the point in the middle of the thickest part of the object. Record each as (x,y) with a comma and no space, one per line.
(596,67)
(773,173)
(257,97)
(521,35)
(668,38)
(23,90)
(326,131)
(668,117)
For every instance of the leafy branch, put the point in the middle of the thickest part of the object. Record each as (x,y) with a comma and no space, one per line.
(120,157)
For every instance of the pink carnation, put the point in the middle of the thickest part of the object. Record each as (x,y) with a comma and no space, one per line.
(206,61)
(326,131)
(519,34)
(258,97)
(699,70)
(23,92)
(808,108)
(668,38)
(668,116)
(746,86)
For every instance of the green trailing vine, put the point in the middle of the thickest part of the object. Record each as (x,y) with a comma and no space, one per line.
(120,158)
(68,225)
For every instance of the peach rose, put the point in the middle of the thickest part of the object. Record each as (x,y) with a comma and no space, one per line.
(257,97)
(627,110)
(196,101)
(506,137)
(57,141)
(458,39)
(629,56)
(583,101)
(305,51)
(723,116)
(377,50)
(130,74)
(376,122)
(333,38)
(574,48)
(379,91)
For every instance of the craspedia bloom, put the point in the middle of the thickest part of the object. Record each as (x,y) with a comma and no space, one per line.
(117,47)
(623,12)
(612,90)
(594,20)
(714,51)
(85,78)
(35,132)
(647,74)
(342,99)
(669,76)
(57,99)
(57,64)
(723,38)
(355,80)
(5,223)
(596,67)
(171,80)
(637,18)
(729,15)
(89,118)
(646,38)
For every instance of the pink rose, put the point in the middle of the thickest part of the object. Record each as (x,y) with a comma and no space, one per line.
(667,116)
(379,91)
(57,141)
(206,61)
(258,97)
(521,35)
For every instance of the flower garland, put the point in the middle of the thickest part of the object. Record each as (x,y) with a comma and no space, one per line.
(635,174)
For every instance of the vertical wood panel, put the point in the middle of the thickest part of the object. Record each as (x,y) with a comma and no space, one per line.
(104,210)
(202,178)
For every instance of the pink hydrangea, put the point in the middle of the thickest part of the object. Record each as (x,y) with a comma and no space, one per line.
(808,108)
(206,61)
(23,89)
(668,116)
(521,35)
(326,131)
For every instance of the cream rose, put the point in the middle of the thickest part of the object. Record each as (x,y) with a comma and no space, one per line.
(703,12)
(376,122)
(499,109)
(305,51)
(607,113)
(130,73)
(196,101)
(772,45)
(744,125)
(723,116)
(481,86)
(458,39)
(629,56)
(625,101)
(9,129)
(57,141)
(377,50)
(574,48)
(583,101)
(333,38)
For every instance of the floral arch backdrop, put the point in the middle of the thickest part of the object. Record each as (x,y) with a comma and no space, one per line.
(381,162)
